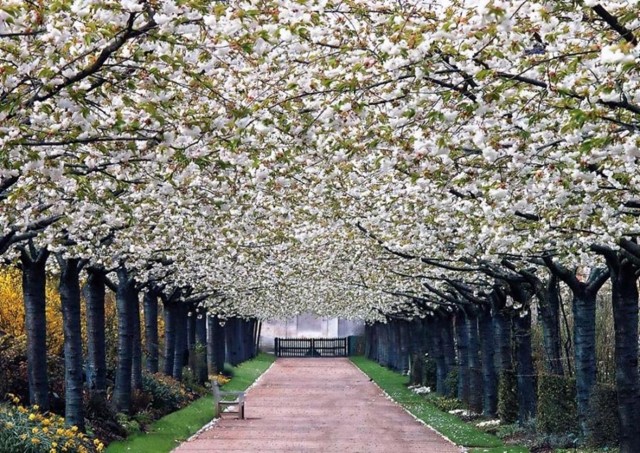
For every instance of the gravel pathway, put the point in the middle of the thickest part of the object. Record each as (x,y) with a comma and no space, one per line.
(320,405)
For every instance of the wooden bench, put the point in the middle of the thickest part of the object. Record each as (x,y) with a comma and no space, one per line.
(223,404)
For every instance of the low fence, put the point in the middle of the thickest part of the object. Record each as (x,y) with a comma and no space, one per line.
(312,347)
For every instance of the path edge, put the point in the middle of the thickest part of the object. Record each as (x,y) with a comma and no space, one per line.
(215,420)
(462,449)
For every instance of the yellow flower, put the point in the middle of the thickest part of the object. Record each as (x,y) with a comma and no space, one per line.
(54,444)
(10,425)
(45,430)
(35,430)
(36,407)
(32,417)
(74,428)
(35,440)
(53,450)
(46,422)
(23,436)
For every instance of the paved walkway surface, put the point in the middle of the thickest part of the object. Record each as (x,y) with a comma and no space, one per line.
(320,405)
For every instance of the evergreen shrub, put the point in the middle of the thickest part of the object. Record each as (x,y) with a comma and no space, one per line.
(557,409)
(602,421)
(508,397)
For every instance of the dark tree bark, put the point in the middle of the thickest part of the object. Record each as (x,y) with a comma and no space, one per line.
(191,338)
(462,345)
(170,326)
(125,307)
(201,348)
(476,389)
(181,340)
(217,344)
(136,353)
(504,339)
(549,303)
(69,287)
(34,280)
(94,292)
(584,331)
(150,302)
(437,354)
(404,349)
(448,349)
(489,375)
(624,298)
(231,340)
(524,367)
(211,320)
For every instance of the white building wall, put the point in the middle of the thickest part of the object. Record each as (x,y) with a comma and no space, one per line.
(307,326)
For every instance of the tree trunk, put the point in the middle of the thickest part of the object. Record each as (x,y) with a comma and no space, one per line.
(404,348)
(191,338)
(625,316)
(181,341)
(462,344)
(231,339)
(489,375)
(151,329)
(437,354)
(217,340)
(448,349)
(524,367)
(504,340)
(201,348)
(170,325)
(211,321)
(584,337)
(34,279)
(584,331)
(94,292)
(549,303)
(475,367)
(122,389)
(136,354)
(69,287)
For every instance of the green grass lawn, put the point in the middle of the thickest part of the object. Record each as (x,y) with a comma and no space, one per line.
(167,433)
(461,433)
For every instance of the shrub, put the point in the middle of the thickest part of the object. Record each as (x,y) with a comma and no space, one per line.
(27,430)
(13,372)
(511,431)
(416,371)
(445,404)
(167,394)
(430,373)
(603,421)
(451,383)
(508,397)
(557,410)
(129,424)
(190,381)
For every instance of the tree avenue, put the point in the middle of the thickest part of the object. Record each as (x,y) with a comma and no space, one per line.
(444,170)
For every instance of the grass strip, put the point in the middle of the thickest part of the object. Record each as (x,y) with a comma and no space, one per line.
(167,433)
(461,433)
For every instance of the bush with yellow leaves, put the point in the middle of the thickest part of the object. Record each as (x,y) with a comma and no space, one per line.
(26,430)
(12,309)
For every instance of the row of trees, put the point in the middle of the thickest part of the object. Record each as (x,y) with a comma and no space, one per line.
(191,337)
(246,153)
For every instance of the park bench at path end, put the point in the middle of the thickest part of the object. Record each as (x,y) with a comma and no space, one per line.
(222,404)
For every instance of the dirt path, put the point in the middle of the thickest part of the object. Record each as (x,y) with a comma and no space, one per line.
(322,405)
